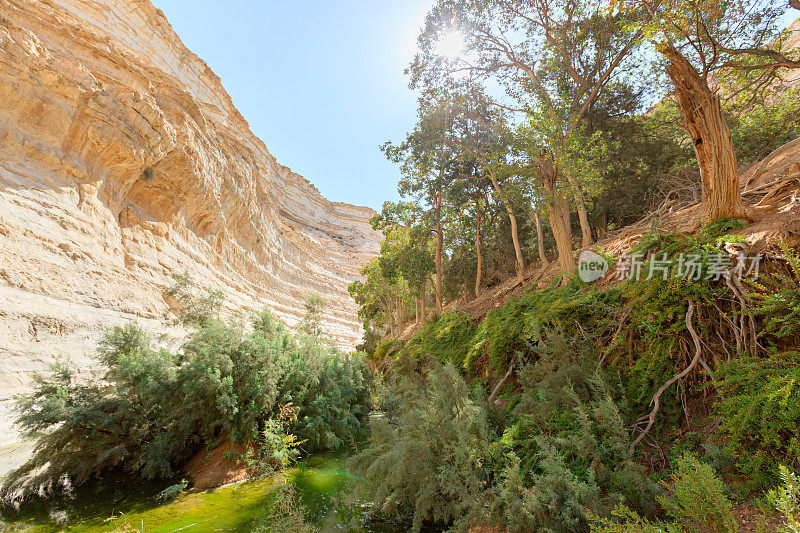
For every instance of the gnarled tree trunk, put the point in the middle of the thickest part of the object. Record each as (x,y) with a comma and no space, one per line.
(439,247)
(702,118)
(539,235)
(556,208)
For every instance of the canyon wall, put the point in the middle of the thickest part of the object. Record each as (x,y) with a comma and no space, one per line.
(123,160)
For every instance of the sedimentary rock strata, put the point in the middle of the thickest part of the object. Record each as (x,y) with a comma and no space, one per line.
(123,160)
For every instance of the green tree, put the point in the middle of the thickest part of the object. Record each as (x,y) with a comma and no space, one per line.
(553,60)
(315,306)
(426,163)
(148,410)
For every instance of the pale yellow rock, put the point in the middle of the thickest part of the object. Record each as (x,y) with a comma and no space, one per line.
(122,160)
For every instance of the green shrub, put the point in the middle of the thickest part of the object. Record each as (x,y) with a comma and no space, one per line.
(331,390)
(276,447)
(447,338)
(190,308)
(383,349)
(777,298)
(786,499)
(651,343)
(763,128)
(152,409)
(698,502)
(521,323)
(624,520)
(436,456)
(171,492)
(760,412)
(567,417)
(312,320)
(555,500)
(430,462)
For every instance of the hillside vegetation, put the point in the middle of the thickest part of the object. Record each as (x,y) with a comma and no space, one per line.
(520,393)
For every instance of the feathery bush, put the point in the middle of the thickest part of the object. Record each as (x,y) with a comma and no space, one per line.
(760,413)
(786,499)
(698,502)
(697,505)
(777,298)
(430,462)
(152,409)
(446,337)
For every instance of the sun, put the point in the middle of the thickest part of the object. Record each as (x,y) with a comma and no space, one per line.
(450,45)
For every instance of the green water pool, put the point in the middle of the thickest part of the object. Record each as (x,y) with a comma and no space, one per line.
(321,483)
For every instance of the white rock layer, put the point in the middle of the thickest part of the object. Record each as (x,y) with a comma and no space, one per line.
(122,160)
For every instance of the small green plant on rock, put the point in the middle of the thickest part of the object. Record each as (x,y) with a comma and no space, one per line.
(171,492)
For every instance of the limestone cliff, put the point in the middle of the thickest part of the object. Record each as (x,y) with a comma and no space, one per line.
(122,160)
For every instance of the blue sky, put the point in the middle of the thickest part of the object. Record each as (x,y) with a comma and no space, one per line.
(321,83)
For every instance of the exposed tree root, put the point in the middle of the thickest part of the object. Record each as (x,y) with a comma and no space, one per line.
(779,185)
(496,388)
(613,339)
(747,325)
(656,401)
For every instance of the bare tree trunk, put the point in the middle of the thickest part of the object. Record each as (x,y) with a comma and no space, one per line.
(602,225)
(439,246)
(422,301)
(520,263)
(556,207)
(539,236)
(399,307)
(583,217)
(478,251)
(701,113)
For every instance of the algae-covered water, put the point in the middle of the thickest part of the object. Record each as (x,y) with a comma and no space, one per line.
(322,486)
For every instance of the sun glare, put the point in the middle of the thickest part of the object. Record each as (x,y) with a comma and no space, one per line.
(450,45)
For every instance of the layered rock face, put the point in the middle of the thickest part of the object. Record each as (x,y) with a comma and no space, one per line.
(123,160)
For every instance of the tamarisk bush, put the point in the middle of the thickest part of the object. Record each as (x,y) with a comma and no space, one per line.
(151,409)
